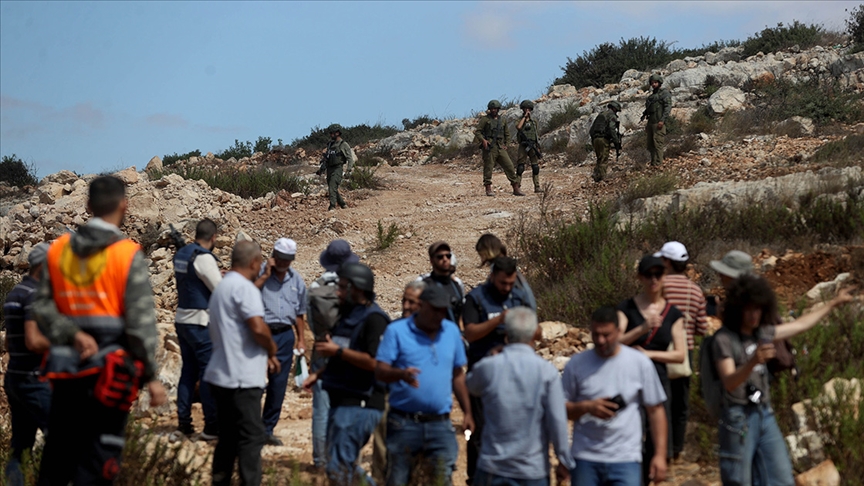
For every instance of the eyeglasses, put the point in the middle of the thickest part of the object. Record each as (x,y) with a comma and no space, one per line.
(442,256)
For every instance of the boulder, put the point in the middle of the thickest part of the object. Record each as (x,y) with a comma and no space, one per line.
(825,474)
(553,330)
(49,192)
(62,177)
(128,175)
(154,164)
(562,91)
(726,99)
(806,450)
(797,126)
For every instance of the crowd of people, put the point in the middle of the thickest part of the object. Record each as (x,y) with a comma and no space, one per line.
(87,306)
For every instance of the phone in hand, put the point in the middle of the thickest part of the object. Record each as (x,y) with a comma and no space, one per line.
(618,400)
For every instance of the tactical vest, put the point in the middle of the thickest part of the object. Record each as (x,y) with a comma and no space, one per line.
(91,291)
(528,132)
(599,127)
(335,157)
(489,309)
(192,292)
(491,133)
(348,378)
(654,105)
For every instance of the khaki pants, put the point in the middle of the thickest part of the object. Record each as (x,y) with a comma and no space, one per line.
(499,155)
(601,149)
(334,179)
(522,157)
(656,142)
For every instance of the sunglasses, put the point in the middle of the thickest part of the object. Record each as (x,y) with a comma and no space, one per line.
(442,256)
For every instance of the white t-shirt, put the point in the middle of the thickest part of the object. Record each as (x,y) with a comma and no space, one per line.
(237,360)
(629,373)
(208,271)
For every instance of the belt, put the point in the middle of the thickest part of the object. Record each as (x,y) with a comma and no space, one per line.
(279,330)
(421,417)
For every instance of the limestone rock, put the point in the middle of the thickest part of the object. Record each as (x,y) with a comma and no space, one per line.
(797,126)
(726,99)
(49,192)
(62,177)
(562,91)
(825,474)
(154,164)
(553,330)
(128,175)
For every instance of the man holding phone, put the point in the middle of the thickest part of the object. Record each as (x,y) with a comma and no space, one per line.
(604,387)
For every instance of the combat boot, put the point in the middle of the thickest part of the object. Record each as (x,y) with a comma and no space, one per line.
(517,191)
(489,191)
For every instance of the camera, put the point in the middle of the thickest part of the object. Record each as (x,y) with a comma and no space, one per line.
(754,395)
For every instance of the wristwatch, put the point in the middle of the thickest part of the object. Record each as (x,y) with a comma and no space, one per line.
(339,352)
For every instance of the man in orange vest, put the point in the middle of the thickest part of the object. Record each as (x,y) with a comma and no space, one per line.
(95,305)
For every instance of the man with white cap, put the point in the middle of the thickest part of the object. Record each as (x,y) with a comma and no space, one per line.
(284,294)
(29,398)
(681,292)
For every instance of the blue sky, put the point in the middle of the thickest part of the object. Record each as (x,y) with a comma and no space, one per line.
(94,86)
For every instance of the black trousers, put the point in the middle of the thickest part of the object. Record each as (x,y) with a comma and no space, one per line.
(85,438)
(473,447)
(680,410)
(241,434)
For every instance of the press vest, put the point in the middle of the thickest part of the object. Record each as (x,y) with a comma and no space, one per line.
(91,290)
(490,308)
(192,293)
(347,378)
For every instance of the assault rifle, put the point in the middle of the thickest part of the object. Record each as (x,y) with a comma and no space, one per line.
(176,237)
(532,146)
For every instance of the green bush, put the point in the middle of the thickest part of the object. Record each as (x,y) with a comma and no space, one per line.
(16,173)
(701,121)
(262,145)
(855,25)
(821,100)
(773,39)
(238,150)
(606,63)
(568,115)
(173,159)
(363,178)
(841,153)
(386,237)
(648,186)
(247,184)
(420,120)
(356,135)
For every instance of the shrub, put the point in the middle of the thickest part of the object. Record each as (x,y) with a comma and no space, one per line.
(363,178)
(607,62)
(151,461)
(636,148)
(773,39)
(855,25)
(577,154)
(568,115)
(238,151)
(711,85)
(821,100)
(16,172)
(385,238)
(420,120)
(701,121)
(356,135)
(841,153)
(648,186)
(247,184)
(262,145)
(173,159)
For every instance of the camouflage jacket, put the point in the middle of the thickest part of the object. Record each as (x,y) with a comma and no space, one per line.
(528,133)
(606,126)
(140,333)
(492,130)
(658,106)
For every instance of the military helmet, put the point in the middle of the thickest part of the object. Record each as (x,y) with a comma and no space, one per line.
(527,104)
(615,105)
(359,275)
(334,128)
(655,77)
(493,104)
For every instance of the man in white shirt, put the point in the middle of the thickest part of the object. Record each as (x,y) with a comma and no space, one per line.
(243,353)
(197,273)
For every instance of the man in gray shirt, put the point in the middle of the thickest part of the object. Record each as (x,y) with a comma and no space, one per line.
(605,388)
(243,353)
(524,410)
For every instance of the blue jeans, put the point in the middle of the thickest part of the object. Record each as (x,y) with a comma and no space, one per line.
(752,449)
(587,473)
(195,351)
(483,478)
(348,430)
(278,383)
(434,442)
(320,412)
(29,405)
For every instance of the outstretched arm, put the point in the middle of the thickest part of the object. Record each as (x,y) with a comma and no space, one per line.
(807,321)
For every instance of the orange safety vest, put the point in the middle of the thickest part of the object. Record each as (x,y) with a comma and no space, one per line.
(91,291)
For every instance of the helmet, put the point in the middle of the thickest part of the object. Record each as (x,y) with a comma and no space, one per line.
(655,77)
(359,275)
(615,105)
(493,104)
(527,104)
(334,128)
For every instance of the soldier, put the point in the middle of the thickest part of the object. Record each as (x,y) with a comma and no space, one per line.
(604,133)
(529,147)
(492,134)
(658,107)
(338,153)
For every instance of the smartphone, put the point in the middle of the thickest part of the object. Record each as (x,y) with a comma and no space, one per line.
(618,400)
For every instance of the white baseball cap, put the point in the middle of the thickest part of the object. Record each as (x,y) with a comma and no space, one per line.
(285,249)
(674,251)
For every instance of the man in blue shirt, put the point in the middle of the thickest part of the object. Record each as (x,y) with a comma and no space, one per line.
(284,295)
(422,357)
(524,410)
(29,398)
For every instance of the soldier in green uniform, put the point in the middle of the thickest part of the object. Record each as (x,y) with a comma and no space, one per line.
(604,134)
(658,107)
(492,135)
(337,154)
(529,146)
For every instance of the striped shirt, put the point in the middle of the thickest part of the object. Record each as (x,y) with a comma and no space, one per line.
(16,311)
(688,298)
